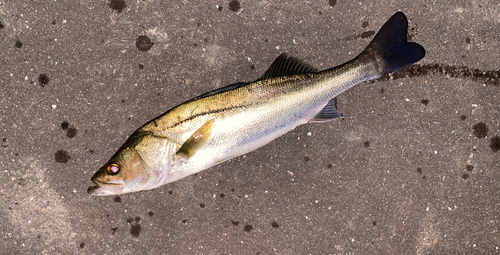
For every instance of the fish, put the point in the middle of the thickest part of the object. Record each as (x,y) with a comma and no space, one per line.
(242,117)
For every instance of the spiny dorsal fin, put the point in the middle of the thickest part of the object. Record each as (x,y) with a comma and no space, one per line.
(328,113)
(287,65)
(220,90)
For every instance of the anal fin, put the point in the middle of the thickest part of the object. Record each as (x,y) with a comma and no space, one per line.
(328,113)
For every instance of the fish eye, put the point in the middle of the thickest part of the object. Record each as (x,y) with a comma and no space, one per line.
(114,168)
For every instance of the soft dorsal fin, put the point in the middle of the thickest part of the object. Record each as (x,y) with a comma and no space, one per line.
(287,65)
(328,113)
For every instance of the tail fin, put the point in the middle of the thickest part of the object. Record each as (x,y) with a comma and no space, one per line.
(390,44)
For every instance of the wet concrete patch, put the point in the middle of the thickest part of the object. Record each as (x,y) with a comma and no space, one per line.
(480,130)
(43,79)
(117,5)
(488,77)
(495,144)
(248,228)
(71,130)
(18,44)
(234,5)
(62,156)
(143,43)
(135,227)
(275,224)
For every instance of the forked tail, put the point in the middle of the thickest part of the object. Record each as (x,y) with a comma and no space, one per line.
(390,47)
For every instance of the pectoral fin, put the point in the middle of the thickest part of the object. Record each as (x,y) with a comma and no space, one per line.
(196,140)
(328,113)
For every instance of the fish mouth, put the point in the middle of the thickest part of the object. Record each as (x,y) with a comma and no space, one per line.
(95,190)
(105,189)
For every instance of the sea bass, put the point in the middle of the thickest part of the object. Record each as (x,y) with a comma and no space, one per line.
(237,119)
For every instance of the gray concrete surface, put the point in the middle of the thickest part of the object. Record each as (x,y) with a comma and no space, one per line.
(412,169)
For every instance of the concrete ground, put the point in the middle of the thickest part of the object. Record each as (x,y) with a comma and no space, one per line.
(414,168)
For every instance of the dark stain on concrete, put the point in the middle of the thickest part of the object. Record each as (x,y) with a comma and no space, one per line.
(419,170)
(488,77)
(367,34)
(18,44)
(480,130)
(465,176)
(62,156)
(43,79)
(363,35)
(275,224)
(332,3)
(65,125)
(365,24)
(469,167)
(1,25)
(150,213)
(114,230)
(235,223)
(82,245)
(117,5)
(117,199)
(412,32)
(143,43)
(21,182)
(495,144)
(234,5)
(71,130)
(463,117)
(248,228)
(202,205)
(135,227)
(424,101)
(366,144)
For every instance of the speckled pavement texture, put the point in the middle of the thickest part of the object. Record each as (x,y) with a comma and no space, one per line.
(414,168)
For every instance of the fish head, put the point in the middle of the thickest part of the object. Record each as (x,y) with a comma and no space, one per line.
(142,163)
